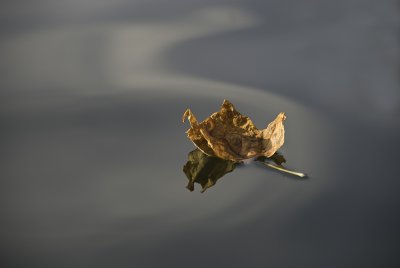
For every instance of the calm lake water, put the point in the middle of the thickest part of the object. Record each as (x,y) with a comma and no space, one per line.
(93,145)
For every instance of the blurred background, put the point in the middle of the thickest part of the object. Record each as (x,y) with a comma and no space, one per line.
(90,102)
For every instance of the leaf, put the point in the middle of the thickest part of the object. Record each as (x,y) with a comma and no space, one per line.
(229,135)
(205,170)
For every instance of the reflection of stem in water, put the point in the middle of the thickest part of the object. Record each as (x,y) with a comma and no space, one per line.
(285,170)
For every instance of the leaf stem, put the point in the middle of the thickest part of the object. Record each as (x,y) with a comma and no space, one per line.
(302,175)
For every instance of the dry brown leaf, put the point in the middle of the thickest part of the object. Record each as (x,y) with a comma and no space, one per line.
(230,135)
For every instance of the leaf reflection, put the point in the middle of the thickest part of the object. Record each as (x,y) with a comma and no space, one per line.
(205,170)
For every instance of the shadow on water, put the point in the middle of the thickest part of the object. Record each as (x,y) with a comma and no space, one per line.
(207,170)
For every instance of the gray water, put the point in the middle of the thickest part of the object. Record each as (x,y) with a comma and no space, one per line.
(93,146)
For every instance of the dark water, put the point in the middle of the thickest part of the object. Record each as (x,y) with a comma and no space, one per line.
(93,145)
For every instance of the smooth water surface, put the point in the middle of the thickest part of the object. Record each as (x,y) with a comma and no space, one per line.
(93,146)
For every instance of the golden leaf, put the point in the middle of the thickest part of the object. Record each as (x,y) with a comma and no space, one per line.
(229,135)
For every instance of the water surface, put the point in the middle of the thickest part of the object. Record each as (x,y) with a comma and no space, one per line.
(93,148)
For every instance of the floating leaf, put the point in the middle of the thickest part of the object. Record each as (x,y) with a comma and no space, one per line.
(229,135)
